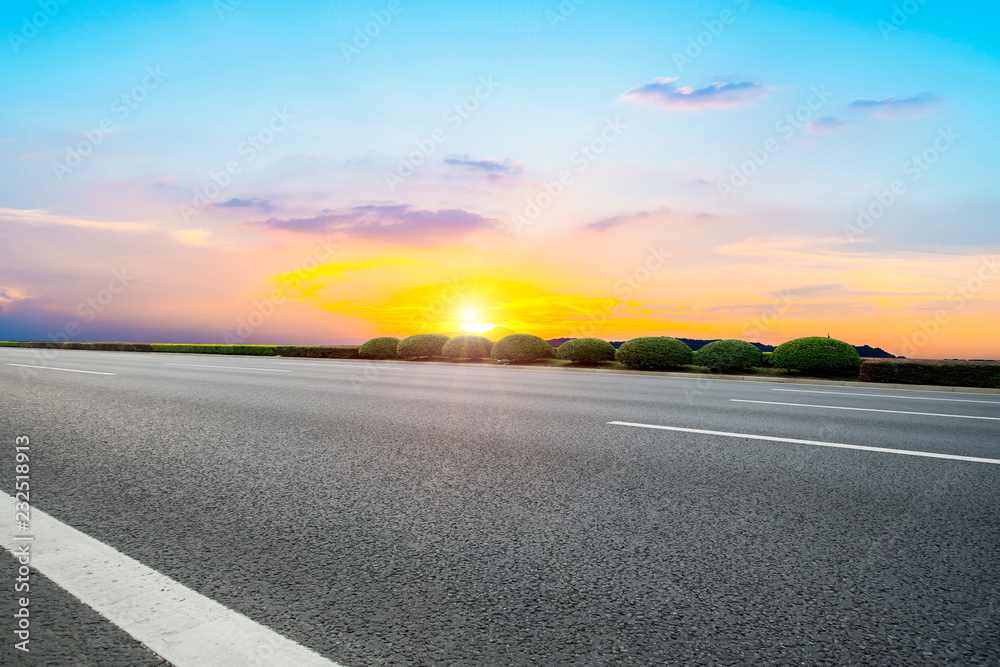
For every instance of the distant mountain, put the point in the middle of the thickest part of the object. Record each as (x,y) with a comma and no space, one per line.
(698,343)
(874,352)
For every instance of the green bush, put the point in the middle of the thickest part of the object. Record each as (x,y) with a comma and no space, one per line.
(110,347)
(421,345)
(653,353)
(199,348)
(468,347)
(729,354)
(932,372)
(7,343)
(379,348)
(318,352)
(816,354)
(522,347)
(767,359)
(586,350)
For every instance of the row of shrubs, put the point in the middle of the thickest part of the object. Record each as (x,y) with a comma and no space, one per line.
(647,353)
(932,372)
(822,356)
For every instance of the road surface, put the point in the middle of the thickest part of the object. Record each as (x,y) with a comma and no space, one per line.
(416,514)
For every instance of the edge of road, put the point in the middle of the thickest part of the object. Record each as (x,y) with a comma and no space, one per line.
(707,376)
(613,371)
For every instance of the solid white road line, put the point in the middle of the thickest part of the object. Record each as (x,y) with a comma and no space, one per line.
(238,368)
(840,407)
(907,398)
(184,627)
(863,448)
(53,368)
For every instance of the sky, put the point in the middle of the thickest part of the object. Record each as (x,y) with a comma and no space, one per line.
(325,172)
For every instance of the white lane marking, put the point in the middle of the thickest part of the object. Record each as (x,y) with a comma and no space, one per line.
(237,368)
(183,626)
(338,362)
(908,398)
(53,368)
(318,362)
(840,407)
(933,455)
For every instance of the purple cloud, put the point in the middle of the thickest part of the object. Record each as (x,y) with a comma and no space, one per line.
(260,204)
(495,168)
(490,164)
(893,108)
(664,94)
(608,223)
(397,222)
(826,125)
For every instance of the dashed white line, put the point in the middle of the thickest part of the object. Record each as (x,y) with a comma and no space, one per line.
(840,407)
(749,436)
(908,398)
(318,362)
(237,368)
(184,627)
(53,368)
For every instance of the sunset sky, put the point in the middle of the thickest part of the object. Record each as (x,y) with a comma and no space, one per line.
(324,172)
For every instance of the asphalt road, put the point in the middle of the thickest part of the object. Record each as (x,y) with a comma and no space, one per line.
(408,514)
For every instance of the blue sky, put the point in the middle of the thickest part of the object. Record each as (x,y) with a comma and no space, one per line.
(893,83)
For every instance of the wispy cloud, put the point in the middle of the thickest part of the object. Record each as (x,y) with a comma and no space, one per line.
(893,108)
(826,125)
(42,218)
(491,164)
(259,204)
(663,93)
(397,222)
(39,217)
(494,169)
(608,223)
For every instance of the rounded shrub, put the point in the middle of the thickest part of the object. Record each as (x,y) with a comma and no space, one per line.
(816,354)
(468,347)
(421,345)
(379,348)
(522,347)
(586,350)
(726,354)
(654,352)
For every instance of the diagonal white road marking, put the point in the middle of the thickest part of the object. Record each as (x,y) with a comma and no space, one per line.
(908,398)
(840,407)
(183,626)
(749,436)
(236,368)
(53,368)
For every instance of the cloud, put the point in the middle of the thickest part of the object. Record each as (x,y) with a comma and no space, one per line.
(397,222)
(495,168)
(608,223)
(490,164)
(893,108)
(826,125)
(41,218)
(809,290)
(260,204)
(663,94)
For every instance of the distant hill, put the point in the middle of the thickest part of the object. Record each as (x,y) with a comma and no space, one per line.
(698,343)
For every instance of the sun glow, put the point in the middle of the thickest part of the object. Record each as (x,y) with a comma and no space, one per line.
(479,327)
